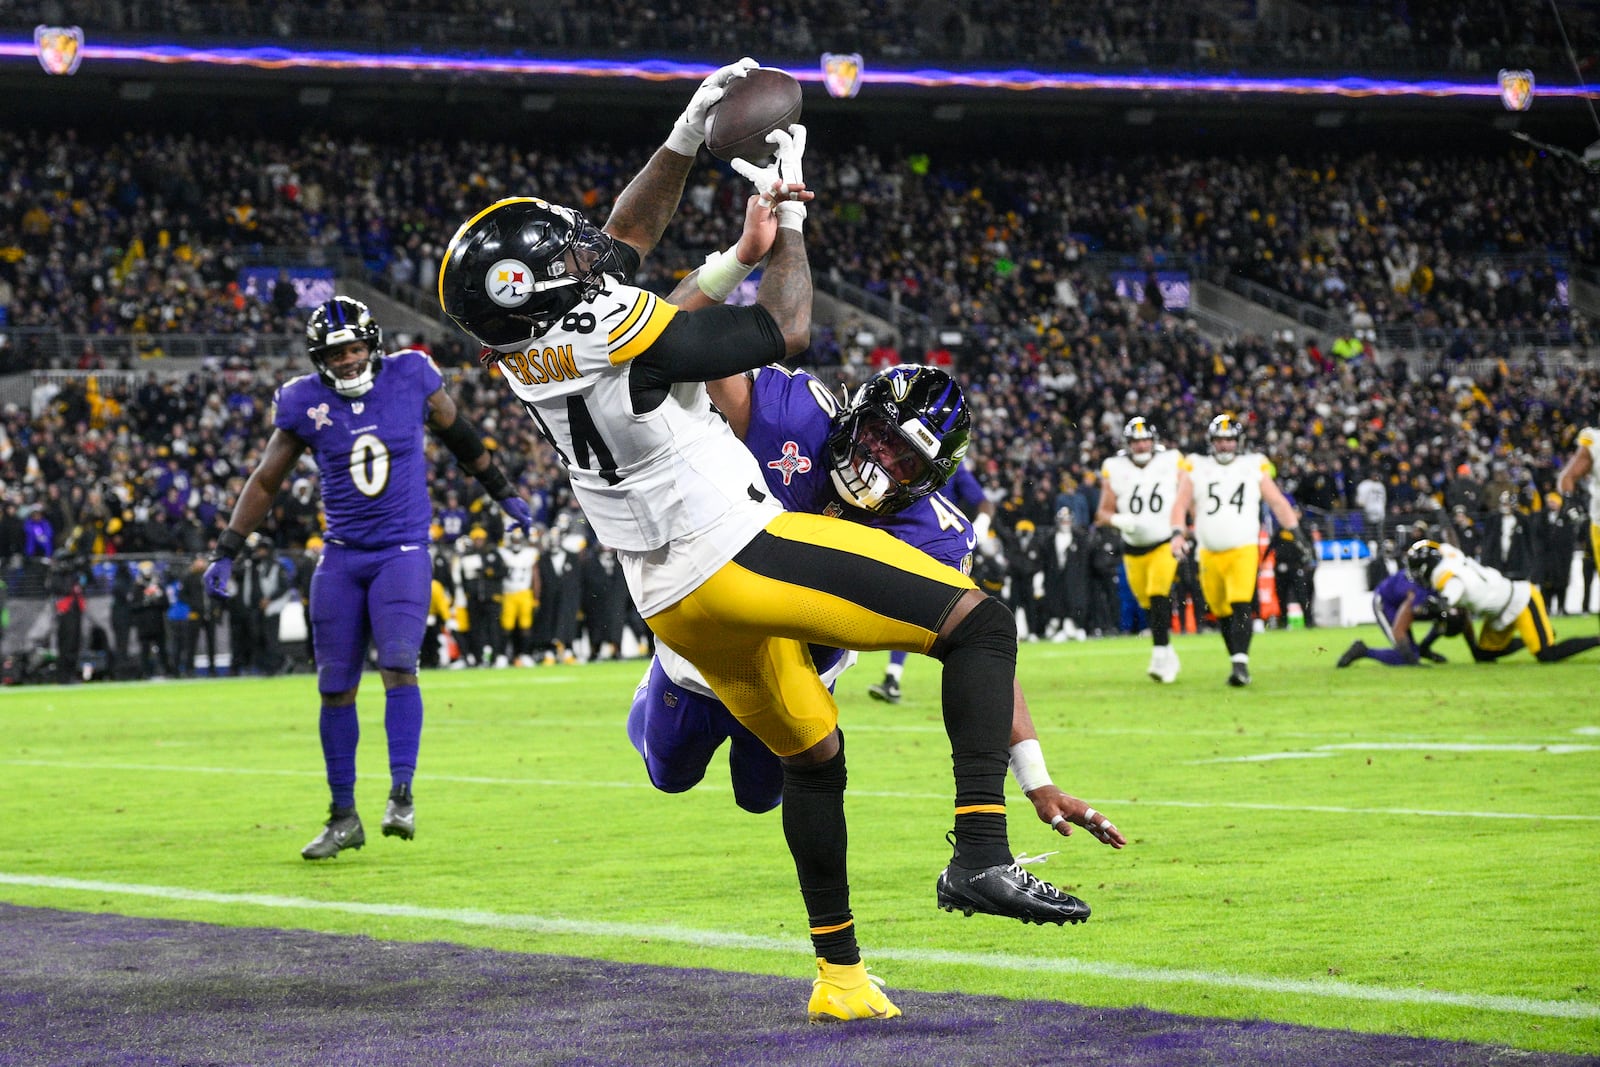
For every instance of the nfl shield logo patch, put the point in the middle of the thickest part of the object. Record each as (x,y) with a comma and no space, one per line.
(60,48)
(1516,89)
(842,74)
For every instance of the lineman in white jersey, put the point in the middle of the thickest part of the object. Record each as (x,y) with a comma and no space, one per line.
(519,599)
(614,377)
(1506,607)
(1583,466)
(1224,491)
(1138,488)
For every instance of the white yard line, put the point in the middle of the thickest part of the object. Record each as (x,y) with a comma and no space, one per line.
(715,787)
(1514,1005)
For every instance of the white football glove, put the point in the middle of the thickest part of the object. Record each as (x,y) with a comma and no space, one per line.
(1124,523)
(689,132)
(772,181)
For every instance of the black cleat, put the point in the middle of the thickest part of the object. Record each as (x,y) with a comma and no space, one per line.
(1431,656)
(342,831)
(1240,676)
(399,818)
(1008,891)
(887,690)
(1357,650)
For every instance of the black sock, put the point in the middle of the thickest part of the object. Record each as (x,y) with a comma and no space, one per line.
(1160,620)
(1243,629)
(980,667)
(813,825)
(1570,647)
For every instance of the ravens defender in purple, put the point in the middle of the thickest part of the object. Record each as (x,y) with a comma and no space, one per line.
(968,495)
(361,414)
(853,463)
(1398,602)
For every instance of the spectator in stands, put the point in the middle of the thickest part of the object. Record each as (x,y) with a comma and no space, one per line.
(1508,543)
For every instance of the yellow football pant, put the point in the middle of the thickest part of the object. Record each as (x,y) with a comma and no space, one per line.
(1229,577)
(806,579)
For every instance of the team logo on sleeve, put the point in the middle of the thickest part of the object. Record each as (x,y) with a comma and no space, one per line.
(791,462)
(319,416)
(510,283)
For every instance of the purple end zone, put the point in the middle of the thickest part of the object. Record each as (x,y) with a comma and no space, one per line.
(107,989)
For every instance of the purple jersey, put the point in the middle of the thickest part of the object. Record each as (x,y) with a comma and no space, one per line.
(369,450)
(966,490)
(790,417)
(1392,592)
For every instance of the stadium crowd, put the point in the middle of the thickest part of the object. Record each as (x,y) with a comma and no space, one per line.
(149,231)
(1353,34)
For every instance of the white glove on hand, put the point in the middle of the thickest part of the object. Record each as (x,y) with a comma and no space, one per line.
(1124,523)
(689,132)
(774,181)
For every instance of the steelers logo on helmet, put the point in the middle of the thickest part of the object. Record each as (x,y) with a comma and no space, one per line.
(509,283)
(514,269)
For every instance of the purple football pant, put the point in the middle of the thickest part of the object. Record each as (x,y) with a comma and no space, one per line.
(360,596)
(677,730)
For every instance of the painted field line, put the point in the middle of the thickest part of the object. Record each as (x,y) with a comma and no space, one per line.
(1514,1005)
(715,787)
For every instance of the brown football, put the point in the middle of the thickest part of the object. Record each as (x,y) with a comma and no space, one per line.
(753,106)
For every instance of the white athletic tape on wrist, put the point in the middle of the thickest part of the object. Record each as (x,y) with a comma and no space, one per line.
(685,141)
(1027,765)
(791,215)
(721,274)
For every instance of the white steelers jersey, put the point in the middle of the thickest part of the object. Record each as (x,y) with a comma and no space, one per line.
(1483,591)
(1146,493)
(1589,438)
(1227,499)
(519,568)
(642,480)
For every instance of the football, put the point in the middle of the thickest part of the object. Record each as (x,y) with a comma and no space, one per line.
(753,106)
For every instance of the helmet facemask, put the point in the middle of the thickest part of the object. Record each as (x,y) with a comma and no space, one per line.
(887,451)
(332,328)
(1139,430)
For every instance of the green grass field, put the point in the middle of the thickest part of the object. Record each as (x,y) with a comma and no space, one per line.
(1398,851)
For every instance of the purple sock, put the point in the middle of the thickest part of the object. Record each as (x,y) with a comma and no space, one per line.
(1392,656)
(341,731)
(402,718)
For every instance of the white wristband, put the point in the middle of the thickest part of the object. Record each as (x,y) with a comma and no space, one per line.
(684,141)
(721,274)
(1027,765)
(791,215)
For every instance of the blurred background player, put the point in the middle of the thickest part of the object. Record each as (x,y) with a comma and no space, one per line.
(967,493)
(1506,608)
(1398,602)
(1224,492)
(362,416)
(519,599)
(1583,468)
(1138,497)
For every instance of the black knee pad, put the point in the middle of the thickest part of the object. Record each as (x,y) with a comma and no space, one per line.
(826,777)
(990,626)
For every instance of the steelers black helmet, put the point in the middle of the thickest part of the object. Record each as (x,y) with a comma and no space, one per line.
(1140,428)
(339,322)
(514,269)
(1421,558)
(1224,427)
(902,437)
